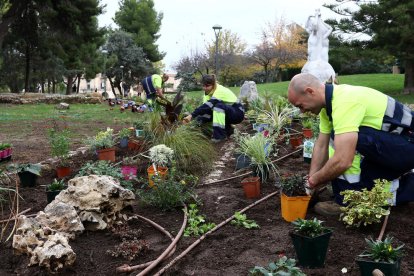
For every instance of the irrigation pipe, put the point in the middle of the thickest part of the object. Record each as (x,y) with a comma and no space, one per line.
(249,172)
(161,257)
(170,249)
(194,244)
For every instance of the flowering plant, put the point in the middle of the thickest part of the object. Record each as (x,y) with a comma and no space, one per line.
(102,140)
(161,155)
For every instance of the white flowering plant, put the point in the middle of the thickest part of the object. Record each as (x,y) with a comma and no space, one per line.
(161,155)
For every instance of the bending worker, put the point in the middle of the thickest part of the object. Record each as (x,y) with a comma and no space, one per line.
(371,135)
(152,86)
(220,106)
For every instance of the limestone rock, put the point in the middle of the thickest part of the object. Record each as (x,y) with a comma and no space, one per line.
(62,218)
(62,106)
(44,246)
(54,254)
(97,198)
(249,91)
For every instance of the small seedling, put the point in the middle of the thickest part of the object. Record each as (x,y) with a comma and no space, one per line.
(242,221)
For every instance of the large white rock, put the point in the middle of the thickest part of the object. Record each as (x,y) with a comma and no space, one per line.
(97,198)
(248,91)
(45,246)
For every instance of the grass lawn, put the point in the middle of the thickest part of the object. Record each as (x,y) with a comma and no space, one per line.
(26,115)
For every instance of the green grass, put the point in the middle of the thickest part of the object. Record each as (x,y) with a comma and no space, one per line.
(389,84)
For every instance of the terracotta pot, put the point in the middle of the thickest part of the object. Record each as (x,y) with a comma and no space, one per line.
(295,140)
(135,145)
(151,172)
(63,171)
(107,154)
(307,132)
(294,207)
(129,172)
(251,186)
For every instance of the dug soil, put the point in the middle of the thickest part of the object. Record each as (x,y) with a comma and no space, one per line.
(229,250)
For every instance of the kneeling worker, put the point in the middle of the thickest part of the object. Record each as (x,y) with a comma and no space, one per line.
(370,133)
(152,86)
(220,106)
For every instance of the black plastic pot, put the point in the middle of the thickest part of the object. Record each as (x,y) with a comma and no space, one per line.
(367,266)
(50,195)
(311,252)
(27,179)
(242,161)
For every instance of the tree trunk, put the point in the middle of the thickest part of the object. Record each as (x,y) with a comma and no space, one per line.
(79,79)
(409,77)
(69,85)
(53,86)
(27,69)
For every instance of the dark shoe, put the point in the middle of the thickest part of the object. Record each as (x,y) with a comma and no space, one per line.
(328,208)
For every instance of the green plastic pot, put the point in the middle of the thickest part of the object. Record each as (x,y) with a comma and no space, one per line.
(311,252)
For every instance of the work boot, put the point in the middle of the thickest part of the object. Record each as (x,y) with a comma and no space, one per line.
(328,208)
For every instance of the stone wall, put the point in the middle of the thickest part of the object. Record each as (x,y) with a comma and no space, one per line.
(34,98)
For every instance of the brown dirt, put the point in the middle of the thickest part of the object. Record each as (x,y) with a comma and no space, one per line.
(228,251)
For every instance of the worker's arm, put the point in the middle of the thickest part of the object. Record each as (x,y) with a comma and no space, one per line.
(159,92)
(345,145)
(320,153)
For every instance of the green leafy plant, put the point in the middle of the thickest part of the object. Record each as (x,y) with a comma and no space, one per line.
(124,133)
(309,228)
(102,140)
(60,145)
(104,168)
(56,185)
(366,207)
(292,185)
(27,167)
(307,123)
(5,146)
(242,221)
(169,192)
(382,251)
(197,225)
(283,267)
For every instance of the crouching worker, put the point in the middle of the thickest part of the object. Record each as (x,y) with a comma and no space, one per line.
(364,135)
(220,106)
(152,86)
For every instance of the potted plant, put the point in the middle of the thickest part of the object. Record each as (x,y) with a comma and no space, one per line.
(160,157)
(307,127)
(283,266)
(293,197)
(5,151)
(123,137)
(27,173)
(59,145)
(258,149)
(139,128)
(53,189)
(380,255)
(129,168)
(103,143)
(310,240)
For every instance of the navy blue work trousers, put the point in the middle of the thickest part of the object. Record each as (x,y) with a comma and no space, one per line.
(385,156)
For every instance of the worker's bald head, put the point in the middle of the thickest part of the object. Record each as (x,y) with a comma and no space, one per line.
(306,92)
(300,82)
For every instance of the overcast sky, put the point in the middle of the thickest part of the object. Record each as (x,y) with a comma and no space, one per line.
(187,24)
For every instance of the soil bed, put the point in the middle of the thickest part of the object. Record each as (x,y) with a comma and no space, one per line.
(228,251)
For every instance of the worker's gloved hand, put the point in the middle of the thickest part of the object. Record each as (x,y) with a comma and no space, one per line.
(309,190)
